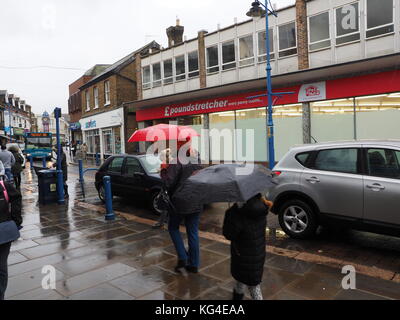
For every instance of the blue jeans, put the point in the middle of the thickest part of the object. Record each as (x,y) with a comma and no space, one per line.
(8,174)
(192,256)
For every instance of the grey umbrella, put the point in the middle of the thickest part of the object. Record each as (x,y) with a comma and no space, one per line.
(225,183)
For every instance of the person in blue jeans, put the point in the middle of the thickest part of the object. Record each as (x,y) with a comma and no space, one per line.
(173,176)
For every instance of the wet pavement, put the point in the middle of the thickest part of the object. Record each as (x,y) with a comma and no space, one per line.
(125,259)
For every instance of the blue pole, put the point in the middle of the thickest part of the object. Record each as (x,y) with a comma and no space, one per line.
(270,122)
(80,162)
(97,159)
(60,179)
(31,162)
(44,163)
(108,197)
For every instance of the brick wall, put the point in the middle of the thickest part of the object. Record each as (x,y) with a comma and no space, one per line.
(302,35)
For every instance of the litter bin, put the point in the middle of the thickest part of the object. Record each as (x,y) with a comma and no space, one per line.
(47,180)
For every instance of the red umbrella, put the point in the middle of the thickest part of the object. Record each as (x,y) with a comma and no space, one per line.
(161,132)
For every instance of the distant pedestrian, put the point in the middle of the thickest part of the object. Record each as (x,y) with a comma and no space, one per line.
(8,161)
(84,150)
(73,148)
(17,167)
(245,225)
(173,176)
(64,168)
(10,210)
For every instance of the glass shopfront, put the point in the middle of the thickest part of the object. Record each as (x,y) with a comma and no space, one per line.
(93,141)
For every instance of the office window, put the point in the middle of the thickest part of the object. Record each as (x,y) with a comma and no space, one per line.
(287,40)
(168,71)
(193,60)
(246,50)
(228,55)
(96,97)
(156,75)
(107,92)
(87,96)
(347,23)
(180,68)
(212,59)
(262,49)
(379,17)
(319,31)
(146,78)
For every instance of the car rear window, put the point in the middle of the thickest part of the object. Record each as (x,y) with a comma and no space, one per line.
(303,157)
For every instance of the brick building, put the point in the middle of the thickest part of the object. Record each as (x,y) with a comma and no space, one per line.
(75,100)
(104,123)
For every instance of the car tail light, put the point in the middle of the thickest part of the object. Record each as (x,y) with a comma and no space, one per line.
(276,173)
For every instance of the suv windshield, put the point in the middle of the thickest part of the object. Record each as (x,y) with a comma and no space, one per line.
(151,163)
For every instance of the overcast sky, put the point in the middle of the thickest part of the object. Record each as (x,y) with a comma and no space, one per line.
(76,34)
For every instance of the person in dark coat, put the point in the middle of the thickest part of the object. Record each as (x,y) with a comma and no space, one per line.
(14,202)
(245,225)
(64,168)
(16,169)
(173,176)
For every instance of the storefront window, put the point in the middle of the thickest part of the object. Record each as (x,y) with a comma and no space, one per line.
(378,116)
(146,78)
(332,120)
(180,68)
(197,123)
(212,59)
(93,141)
(168,71)
(287,40)
(262,49)
(319,31)
(193,60)
(347,23)
(246,50)
(222,136)
(379,17)
(156,75)
(108,141)
(117,140)
(228,55)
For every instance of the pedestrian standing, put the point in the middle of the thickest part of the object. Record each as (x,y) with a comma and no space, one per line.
(8,161)
(173,176)
(245,226)
(17,167)
(10,222)
(74,149)
(84,150)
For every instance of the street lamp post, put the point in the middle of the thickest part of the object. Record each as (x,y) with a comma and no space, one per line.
(257,11)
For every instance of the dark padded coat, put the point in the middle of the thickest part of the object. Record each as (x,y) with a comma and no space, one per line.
(15,203)
(245,227)
(19,161)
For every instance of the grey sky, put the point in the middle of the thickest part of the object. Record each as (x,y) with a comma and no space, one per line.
(78,34)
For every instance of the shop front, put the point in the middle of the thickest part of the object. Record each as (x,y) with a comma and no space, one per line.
(76,132)
(360,107)
(103,133)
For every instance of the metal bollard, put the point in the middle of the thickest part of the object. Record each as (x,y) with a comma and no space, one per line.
(97,159)
(31,162)
(108,197)
(80,162)
(44,163)
(60,187)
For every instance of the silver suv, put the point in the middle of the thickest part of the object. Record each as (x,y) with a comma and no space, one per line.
(354,184)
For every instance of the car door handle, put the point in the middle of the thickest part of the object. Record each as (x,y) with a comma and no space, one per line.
(312,179)
(376,186)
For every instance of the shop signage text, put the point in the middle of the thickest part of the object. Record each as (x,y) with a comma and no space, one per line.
(90,124)
(312,92)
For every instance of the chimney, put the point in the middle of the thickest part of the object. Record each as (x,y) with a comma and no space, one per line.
(175,34)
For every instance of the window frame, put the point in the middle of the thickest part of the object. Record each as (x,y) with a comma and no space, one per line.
(146,85)
(96,97)
(196,72)
(156,82)
(250,60)
(381,26)
(231,64)
(211,69)
(87,99)
(291,48)
(170,79)
(359,166)
(348,34)
(180,76)
(319,41)
(107,91)
(262,58)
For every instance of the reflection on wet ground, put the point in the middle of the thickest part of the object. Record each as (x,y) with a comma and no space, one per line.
(123,259)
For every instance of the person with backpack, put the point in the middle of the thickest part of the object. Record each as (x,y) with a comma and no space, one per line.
(16,169)
(10,223)
(245,226)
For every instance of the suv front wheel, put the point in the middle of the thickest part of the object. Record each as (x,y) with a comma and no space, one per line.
(298,219)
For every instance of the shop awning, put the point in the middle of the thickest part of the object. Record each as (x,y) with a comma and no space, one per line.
(348,69)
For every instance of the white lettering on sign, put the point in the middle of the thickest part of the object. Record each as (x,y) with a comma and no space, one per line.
(349,21)
(174,111)
(312,92)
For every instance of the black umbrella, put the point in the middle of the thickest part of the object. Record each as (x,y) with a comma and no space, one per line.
(225,183)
